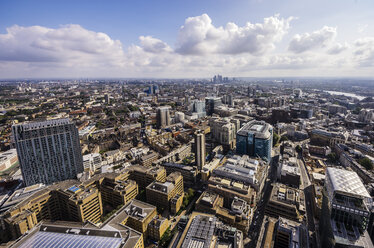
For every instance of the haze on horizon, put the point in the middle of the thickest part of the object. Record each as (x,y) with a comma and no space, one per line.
(165,39)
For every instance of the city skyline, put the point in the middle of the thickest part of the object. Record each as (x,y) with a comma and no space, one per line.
(183,40)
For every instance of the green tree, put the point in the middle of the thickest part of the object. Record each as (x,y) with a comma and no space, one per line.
(276,139)
(366,162)
(298,148)
(332,157)
(283,138)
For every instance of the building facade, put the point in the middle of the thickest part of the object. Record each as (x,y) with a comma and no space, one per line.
(48,151)
(255,139)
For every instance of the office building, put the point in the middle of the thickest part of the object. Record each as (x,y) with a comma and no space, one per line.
(48,151)
(116,191)
(200,152)
(144,176)
(163,117)
(76,235)
(212,103)
(345,210)
(157,227)
(255,139)
(286,202)
(8,159)
(167,195)
(205,230)
(138,215)
(92,161)
(283,232)
(198,108)
(189,173)
(224,131)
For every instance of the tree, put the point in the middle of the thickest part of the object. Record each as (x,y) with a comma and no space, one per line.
(332,158)
(276,139)
(298,148)
(366,162)
(283,138)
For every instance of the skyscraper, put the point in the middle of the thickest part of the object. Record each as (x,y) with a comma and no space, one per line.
(163,117)
(255,139)
(211,103)
(200,149)
(198,107)
(48,151)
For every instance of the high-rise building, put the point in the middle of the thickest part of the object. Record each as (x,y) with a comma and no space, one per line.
(163,116)
(211,103)
(107,98)
(48,151)
(223,131)
(255,139)
(198,107)
(345,210)
(200,152)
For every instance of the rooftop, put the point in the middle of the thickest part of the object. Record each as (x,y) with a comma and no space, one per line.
(259,129)
(345,181)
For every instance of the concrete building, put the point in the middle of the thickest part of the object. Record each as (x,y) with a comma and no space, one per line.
(138,215)
(286,202)
(116,191)
(255,139)
(144,176)
(157,227)
(327,138)
(283,232)
(48,151)
(237,214)
(167,195)
(200,152)
(8,159)
(189,173)
(204,230)
(163,117)
(92,161)
(223,131)
(345,210)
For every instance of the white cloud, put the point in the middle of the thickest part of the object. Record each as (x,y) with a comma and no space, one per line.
(198,36)
(73,51)
(154,45)
(338,48)
(65,44)
(309,41)
(364,51)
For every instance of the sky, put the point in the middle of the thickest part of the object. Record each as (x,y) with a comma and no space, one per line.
(186,39)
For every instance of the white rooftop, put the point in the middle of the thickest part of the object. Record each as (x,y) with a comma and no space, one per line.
(346,181)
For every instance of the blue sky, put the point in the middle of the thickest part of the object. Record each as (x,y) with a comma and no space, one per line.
(295,41)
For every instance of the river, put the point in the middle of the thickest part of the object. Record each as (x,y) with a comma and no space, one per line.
(338,93)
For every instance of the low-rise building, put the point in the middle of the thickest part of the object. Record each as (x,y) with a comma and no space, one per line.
(286,202)
(157,227)
(168,194)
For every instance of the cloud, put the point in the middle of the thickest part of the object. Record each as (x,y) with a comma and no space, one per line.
(338,48)
(154,45)
(310,41)
(198,36)
(65,44)
(364,51)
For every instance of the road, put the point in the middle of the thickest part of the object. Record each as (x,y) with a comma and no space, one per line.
(258,216)
(309,201)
